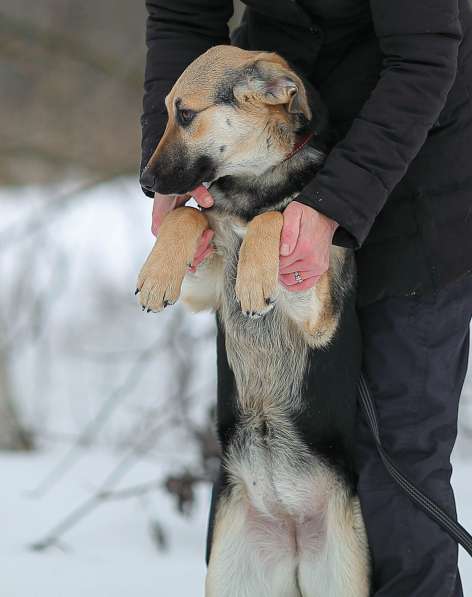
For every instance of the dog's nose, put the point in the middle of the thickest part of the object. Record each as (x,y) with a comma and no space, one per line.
(148,180)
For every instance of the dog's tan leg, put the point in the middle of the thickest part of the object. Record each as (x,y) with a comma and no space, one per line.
(323,319)
(338,566)
(162,274)
(258,266)
(315,310)
(251,554)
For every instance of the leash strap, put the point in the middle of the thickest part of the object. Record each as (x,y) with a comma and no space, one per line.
(435,512)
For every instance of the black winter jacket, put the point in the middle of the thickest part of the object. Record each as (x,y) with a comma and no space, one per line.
(396,76)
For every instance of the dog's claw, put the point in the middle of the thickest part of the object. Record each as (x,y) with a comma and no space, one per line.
(136,291)
(143,308)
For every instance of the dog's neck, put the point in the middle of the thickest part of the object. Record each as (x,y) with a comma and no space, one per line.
(300,144)
(246,196)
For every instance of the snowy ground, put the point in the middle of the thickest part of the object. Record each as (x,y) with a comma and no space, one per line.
(62,372)
(110,553)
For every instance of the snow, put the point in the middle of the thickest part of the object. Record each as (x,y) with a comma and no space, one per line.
(80,285)
(110,552)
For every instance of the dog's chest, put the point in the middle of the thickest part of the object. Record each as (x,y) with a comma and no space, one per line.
(268,354)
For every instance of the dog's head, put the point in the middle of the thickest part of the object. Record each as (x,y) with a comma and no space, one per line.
(232,112)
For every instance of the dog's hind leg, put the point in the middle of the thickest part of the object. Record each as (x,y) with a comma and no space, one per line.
(339,567)
(252,555)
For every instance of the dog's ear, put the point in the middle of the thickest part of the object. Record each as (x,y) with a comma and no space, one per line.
(269,80)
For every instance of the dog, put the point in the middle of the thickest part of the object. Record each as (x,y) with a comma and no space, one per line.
(287,520)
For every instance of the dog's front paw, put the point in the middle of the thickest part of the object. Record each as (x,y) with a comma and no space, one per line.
(258,266)
(161,277)
(159,284)
(256,286)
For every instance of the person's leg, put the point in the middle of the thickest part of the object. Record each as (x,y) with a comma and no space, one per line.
(415,360)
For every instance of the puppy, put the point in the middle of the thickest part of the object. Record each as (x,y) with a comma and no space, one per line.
(287,521)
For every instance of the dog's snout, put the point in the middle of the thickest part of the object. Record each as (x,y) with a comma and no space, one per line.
(176,172)
(148,179)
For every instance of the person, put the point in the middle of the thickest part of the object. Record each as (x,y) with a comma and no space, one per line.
(397,187)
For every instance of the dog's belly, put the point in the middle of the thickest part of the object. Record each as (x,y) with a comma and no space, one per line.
(283,536)
(281,480)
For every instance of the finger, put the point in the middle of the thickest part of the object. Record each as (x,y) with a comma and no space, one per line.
(287,266)
(291,278)
(305,285)
(202,196)
(291,228)
(292,260)
(302,262)
(204,249)
(204,243)
(201,258)
(162,205)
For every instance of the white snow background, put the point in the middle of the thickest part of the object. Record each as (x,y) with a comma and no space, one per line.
(72,264)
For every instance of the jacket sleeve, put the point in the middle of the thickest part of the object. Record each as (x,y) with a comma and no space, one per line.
(177,31)
(419,40)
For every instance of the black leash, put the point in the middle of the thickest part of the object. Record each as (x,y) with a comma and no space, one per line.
(451,526)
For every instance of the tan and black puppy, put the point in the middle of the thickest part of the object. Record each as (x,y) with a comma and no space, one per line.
(287,521)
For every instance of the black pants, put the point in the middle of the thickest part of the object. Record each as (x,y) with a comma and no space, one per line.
(415,358)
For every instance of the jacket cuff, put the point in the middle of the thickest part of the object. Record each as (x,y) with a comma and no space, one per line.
(354,207)
(342,236)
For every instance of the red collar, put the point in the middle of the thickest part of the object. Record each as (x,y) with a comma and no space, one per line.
(300,144)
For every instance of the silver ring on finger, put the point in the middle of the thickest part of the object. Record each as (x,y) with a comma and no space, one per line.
(298,277)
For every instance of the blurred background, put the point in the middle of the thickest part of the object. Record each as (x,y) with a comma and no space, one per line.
(107,448)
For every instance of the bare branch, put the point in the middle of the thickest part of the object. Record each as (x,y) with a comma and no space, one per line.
(106,411)
(116,475)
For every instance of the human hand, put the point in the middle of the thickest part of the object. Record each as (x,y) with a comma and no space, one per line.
(163,204)
(305,245)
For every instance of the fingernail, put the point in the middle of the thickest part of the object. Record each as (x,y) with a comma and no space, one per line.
(285,250)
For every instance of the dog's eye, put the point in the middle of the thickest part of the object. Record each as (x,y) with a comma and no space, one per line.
(186,116)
